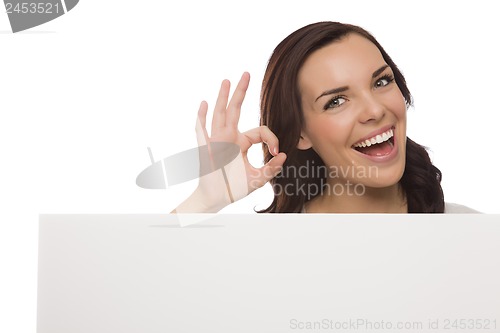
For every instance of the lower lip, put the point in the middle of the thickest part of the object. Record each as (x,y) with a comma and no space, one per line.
(382,159)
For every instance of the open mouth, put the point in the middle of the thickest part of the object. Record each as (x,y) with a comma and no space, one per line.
(379,145)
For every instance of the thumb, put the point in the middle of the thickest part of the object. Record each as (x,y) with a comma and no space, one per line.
(270,170)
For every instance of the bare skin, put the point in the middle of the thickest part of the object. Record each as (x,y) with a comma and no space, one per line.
(370,102)
(216,190)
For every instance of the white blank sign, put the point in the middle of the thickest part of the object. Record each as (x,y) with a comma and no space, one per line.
(269,273)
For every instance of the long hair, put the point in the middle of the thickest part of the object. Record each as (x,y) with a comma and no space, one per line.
(281,111)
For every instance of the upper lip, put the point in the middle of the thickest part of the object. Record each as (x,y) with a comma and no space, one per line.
(374,134)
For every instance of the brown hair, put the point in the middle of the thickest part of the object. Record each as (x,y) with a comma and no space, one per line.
(281,111)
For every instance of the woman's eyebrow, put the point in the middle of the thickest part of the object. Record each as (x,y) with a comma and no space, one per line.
(332,91)
(342,89)
(379,71)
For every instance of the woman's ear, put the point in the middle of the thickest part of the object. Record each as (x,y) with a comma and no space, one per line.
(304,142)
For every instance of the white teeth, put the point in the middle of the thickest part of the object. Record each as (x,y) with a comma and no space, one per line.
(376,139)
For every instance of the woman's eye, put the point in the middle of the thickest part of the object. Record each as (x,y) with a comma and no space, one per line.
(335,102)
(383,81)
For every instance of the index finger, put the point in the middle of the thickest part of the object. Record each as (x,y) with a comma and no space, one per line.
(262,134)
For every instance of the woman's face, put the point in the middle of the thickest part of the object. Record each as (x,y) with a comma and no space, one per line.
(355,114)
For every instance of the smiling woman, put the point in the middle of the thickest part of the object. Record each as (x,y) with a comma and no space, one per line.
(332,100)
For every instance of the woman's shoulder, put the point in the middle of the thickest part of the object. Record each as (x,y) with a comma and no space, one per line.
(453,208)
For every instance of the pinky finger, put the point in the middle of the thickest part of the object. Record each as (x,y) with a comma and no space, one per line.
(201,131)
(202,113)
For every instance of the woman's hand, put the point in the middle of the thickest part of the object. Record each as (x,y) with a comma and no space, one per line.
(238,178)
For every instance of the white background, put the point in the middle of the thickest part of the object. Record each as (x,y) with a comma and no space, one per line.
(83,96)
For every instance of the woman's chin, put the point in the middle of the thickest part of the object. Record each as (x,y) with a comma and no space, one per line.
(382,180)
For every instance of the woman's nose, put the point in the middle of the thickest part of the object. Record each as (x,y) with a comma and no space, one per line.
(371,109)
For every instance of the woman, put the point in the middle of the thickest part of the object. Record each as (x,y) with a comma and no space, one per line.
(333,106)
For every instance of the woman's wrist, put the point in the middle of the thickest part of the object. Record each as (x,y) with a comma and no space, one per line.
(199,202)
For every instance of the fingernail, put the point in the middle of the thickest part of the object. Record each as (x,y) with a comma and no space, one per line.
(275,150)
